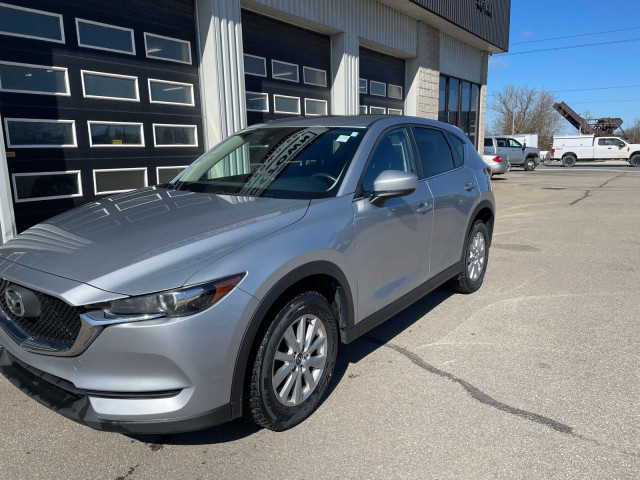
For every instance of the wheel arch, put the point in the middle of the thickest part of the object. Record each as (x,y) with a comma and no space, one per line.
(484,211)
(313,273)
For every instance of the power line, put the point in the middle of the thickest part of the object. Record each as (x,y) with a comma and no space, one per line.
(585,89)
(609,101)
(574,36)
(584,45)
(594,88)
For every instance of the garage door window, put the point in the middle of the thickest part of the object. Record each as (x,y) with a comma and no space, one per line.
(315,107)
(257,102)
(31,133)
(254,65)
(363,109)
(167,48)
(110,86)
(30,187)
(175,135)
(362,85)
(166,174)
(284,71)
(105,37)
(109,181)
(286,104)
(115,134)
(394,111)
(395,91)
(162,91)
(377,110)
(378,89)
(314,76)
(29,23)
(26,78)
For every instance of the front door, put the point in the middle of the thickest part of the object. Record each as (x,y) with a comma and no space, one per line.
(392,241)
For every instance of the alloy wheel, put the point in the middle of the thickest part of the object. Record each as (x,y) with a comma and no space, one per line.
(300,360)
(477,256)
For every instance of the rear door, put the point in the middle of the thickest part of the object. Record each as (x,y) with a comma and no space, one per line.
(454,190)
(392,241)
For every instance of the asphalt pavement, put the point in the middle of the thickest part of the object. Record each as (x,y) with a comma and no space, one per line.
(537,375)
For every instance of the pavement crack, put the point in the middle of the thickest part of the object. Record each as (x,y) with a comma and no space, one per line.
(128,474)
(611,180)
(486,399)
(586,194)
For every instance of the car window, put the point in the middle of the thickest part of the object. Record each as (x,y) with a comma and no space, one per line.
(392,152)
(280,162)
(434,151)
(488,142)
(514,144)
(458,149)
(602,141)
(501,142)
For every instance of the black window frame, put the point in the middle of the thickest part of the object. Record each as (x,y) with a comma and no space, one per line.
(445,116)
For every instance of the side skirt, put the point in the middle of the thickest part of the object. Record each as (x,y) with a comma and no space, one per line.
(400,304)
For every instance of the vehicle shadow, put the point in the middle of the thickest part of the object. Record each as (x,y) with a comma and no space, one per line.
(347,355)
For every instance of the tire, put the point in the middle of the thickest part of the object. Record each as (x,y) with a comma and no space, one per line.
(569,161)
(530,164)
(281,412)
(467,282)
(634,161)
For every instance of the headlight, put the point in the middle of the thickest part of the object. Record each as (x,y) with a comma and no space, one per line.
(173,303)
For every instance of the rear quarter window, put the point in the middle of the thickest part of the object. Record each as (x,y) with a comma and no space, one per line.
(457,146)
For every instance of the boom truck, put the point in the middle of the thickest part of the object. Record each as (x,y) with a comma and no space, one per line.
(595,142)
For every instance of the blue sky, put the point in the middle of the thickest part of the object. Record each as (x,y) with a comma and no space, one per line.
(613,65)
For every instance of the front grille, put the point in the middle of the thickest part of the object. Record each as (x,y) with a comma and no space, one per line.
(57,326)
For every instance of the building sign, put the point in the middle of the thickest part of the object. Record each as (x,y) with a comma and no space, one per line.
(485,6)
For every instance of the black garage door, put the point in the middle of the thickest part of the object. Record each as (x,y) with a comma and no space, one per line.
(287,70)
(381,83)
(95,98)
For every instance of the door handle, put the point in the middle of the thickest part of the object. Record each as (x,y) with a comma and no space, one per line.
(424,207)
(469,186)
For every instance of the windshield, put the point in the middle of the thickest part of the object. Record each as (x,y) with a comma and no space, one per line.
(292,162)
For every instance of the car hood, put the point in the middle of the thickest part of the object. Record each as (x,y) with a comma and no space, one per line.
(148,240)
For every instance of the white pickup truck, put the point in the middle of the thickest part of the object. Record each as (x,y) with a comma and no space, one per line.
(570,149)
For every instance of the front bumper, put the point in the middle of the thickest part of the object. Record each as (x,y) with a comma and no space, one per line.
(156,376)
(75,404)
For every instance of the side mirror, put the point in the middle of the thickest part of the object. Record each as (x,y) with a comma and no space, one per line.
(393,183)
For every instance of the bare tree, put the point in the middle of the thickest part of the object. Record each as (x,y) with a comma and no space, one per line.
(632,133)
(526,110)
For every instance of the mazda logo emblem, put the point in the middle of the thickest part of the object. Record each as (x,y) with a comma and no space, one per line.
(15,303)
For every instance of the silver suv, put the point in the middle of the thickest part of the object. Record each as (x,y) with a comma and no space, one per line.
(228,291)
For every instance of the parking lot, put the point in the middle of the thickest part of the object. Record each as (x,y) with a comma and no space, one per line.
(535,376)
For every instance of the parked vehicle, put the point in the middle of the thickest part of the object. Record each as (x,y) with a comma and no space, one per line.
(228,290)
(519,154)
(498,165)
(570,149)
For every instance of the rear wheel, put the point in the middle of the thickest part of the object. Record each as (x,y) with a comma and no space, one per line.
(294,363)
(635,160)
(568,161)
(476,258)
(530,164)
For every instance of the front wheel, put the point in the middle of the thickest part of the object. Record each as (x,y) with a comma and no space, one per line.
(530,164)
(568,161)
(294,363)
(635,160)
(475,260)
